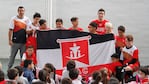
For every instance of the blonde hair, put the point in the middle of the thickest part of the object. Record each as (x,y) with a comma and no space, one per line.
(108,25)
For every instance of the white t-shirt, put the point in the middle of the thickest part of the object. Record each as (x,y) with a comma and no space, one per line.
(25,21)
(76,81)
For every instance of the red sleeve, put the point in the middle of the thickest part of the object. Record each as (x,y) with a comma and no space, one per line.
(135,66)
(135,54)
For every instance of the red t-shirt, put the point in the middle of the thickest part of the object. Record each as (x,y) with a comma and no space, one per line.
(112,66)
(101,26)
(79,29)
(120,41)
(146,80)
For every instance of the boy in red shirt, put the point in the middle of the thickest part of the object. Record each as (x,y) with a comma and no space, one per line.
(92,28)
(120,40)
(75,23)
(29,55)
(101,22)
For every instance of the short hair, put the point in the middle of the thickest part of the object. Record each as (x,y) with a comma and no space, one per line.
(115,55)
(20,7)
(144,70)
(42,21)
(37,15)
(66,81)
(2,75)
(27,62)
(12,73)
(59,20)
(101,9)
(73,19)
(43,74)
(30,46)
(73,73)
(94,24)
(129,37)
(50,66)
(71,65)
(113,80)
(121,28)
(20,69)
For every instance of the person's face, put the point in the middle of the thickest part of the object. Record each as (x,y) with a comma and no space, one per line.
(31,66)
(108,30)
(120,33)
(129,43)
(142,75)
(91,29)
(114,59)
(59,25)
(21,12)
(101,15)
(36,20)
(30,51)
(75,23)
(44,26)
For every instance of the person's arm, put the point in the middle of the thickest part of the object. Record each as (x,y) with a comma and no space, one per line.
(10,33)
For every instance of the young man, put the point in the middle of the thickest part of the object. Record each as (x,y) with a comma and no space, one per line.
(59,24)
(92,28)
(28,67)
(12,76)
(101,22)
(21,78)
(73,74)
(31,31)
(131,56)
(75,23)
(17,34)
(120,40)
(43,25)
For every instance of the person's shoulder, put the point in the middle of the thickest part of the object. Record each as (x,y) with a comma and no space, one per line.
(13,17)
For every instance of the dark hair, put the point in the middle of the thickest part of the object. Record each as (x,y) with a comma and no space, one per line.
(101,9)
(96,77)
(20,69)
(104,75)
(94,24)
(43,74)
(129,37)
(20,7)
(66,81)
(30,46)
(73,19)
(59,20)
(38,82)
(42,21)
(113,80)
(73,73)
(2,75)
(12,73)
(144,70)
(27,62)
(71,65)
(50,68)
(121,28)
(37,15)
(115,55)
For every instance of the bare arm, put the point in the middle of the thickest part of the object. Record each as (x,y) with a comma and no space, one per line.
(10,36)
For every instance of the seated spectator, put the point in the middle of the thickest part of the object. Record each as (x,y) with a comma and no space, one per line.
(43,25)
(113,80)
(109,28)
(93,27)
(21,78)
(144,75)
(96,78)
(66,81)
(52,71)
(59,24)
(73,74)
(13,75)
(75,23)
(28,73)
(2,77)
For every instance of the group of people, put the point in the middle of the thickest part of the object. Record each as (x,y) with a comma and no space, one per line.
(22,36)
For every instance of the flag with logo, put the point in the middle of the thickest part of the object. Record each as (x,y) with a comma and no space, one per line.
(89,51)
